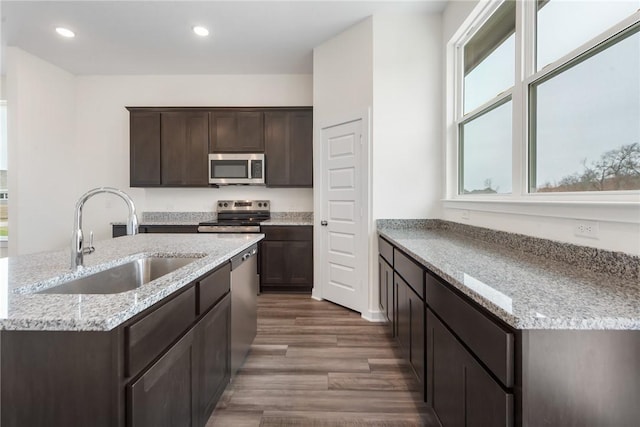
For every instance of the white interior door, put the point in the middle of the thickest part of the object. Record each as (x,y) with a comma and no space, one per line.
(342,198)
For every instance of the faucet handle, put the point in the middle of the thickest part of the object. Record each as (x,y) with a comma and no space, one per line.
(90,249)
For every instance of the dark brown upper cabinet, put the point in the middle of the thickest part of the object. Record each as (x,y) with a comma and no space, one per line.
(169,146)
(144,149)
(289,148)
(236,131)
(184,148)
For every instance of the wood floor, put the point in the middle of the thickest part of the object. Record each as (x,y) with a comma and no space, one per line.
(317,364)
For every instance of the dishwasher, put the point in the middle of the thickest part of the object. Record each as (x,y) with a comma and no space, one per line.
(244,305)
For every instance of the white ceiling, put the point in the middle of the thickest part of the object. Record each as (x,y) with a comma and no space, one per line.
(155,37)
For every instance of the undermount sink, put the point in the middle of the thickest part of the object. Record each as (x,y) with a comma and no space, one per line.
(121,278)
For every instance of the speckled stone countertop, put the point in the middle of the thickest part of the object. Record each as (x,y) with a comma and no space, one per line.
(290,218)
(194,218)
(525,290)
(20,277)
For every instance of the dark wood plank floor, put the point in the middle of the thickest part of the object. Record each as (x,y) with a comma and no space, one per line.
(317,364)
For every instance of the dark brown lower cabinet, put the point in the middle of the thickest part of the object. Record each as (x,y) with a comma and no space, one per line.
(385,289)
(461,392)
(166,367)
(164,395)
(214,335)
(286,263)
(410,327)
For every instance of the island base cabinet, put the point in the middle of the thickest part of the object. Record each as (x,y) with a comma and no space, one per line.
(215,357)
(163,395)
(59,379)
(460,391)
(182,388)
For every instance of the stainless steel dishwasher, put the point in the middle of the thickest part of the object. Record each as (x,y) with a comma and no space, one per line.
(244,305)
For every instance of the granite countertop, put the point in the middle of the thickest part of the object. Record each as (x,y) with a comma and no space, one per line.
(525,290)
(20,277)
(290,218)
(194,218)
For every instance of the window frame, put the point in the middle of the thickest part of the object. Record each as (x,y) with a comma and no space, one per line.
(606,205)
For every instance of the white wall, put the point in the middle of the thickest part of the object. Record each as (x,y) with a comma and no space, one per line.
(407,110)
(619,226)
(103,137)
(69,134)
(41,152)
(390,63)
(342,91)
(343,74)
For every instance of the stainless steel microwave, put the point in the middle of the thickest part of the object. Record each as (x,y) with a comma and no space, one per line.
(227,169)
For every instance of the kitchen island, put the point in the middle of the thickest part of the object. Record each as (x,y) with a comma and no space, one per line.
(157,355)
(513,330)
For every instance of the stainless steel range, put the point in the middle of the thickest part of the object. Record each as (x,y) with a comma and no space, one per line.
(238,216)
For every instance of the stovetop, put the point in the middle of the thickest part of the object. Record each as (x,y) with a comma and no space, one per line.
(240,213)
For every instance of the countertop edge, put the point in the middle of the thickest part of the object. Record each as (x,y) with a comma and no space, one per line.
(116,319)
(515,322)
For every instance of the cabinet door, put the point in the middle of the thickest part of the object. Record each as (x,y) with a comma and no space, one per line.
(164,396)
(144,148)
(185,147)
(214,335)
(276,148)
(273,260)
(417,333)
(236,132)
(383,284)
(299,263)
(391,301)
(301,148)
(403,327)
(460,391)
(289,148)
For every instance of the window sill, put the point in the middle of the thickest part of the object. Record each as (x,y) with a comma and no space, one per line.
(619,211)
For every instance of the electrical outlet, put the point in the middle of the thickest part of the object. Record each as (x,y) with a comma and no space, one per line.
(465,214)
(589,229)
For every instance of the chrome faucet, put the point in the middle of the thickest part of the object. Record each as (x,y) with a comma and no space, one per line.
(77,240)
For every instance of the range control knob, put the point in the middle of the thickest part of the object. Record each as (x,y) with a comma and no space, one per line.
(226,204)
(219,205)
(259,205)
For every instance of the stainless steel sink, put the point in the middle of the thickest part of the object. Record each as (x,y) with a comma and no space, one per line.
(121,278)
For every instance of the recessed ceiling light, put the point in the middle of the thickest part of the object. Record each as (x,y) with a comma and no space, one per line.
(65,32)
(201,31)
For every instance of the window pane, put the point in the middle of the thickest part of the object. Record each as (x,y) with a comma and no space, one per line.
(565,25)
(486,153)
(489,58)
(587,127)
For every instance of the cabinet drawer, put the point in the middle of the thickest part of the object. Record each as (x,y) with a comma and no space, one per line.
(212,287)
(411,272)
(290,232)
(386,250)
(492,344)
(149,336)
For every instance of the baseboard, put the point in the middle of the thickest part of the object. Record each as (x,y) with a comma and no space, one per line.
(374,316)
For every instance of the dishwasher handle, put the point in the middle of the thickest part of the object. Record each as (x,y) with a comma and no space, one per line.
(237,260)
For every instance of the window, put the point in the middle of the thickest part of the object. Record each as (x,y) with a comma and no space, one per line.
(485,129)
(546,100)
(585,123)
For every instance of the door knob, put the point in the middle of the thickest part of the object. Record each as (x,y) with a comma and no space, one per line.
(324,223)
